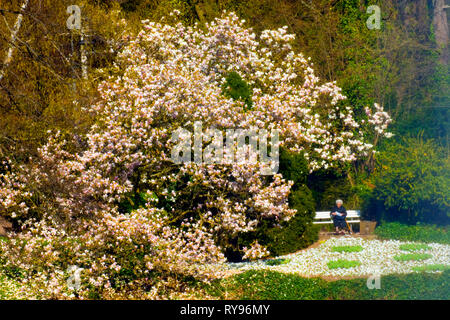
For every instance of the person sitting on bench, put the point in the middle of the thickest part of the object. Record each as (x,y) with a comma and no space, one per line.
(338,214)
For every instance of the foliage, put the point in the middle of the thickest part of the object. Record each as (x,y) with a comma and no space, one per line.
(340,263)
(430,122)
(105,171)
(411,182)
(346,249)
(422,233)
(120,256)
(43,88)
(293,167)
(237,89)
(413,257)
(164,79)
(329,187)
(298,232)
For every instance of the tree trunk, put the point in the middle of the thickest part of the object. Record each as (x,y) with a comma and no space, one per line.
(12,43)
(440,26)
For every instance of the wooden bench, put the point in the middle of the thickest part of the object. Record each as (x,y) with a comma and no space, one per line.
(323,217)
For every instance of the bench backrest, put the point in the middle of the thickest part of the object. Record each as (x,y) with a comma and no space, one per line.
(326,214)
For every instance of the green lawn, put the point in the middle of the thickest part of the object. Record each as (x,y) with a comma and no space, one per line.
(414,246)
(336,264)
(263,285)
(432,267)
(346,249)
(413,257)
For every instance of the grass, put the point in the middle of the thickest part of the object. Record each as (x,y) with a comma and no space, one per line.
(335,264)
(272,285)
(414,246)
(346,249)
(277,262)
(413,257)
(419,233)
(432,267)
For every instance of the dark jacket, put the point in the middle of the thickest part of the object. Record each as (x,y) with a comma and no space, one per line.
(341,210)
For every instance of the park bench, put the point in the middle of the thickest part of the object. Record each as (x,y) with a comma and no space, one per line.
(323,217)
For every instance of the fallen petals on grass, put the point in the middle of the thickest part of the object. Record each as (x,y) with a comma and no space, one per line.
(377,256)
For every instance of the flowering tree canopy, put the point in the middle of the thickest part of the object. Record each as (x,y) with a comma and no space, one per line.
(169,77)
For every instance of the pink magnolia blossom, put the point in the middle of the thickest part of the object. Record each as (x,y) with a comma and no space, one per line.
(167,77)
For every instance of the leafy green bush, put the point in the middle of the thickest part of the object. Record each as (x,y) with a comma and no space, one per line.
(346,248)
(237,89)
(413,257)
(414,246)
(422,233)
(299,232)
(290,236)
(294,167)
(336,264)
(411,181)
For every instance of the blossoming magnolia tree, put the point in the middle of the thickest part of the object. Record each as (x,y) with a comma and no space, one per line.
(168,77)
